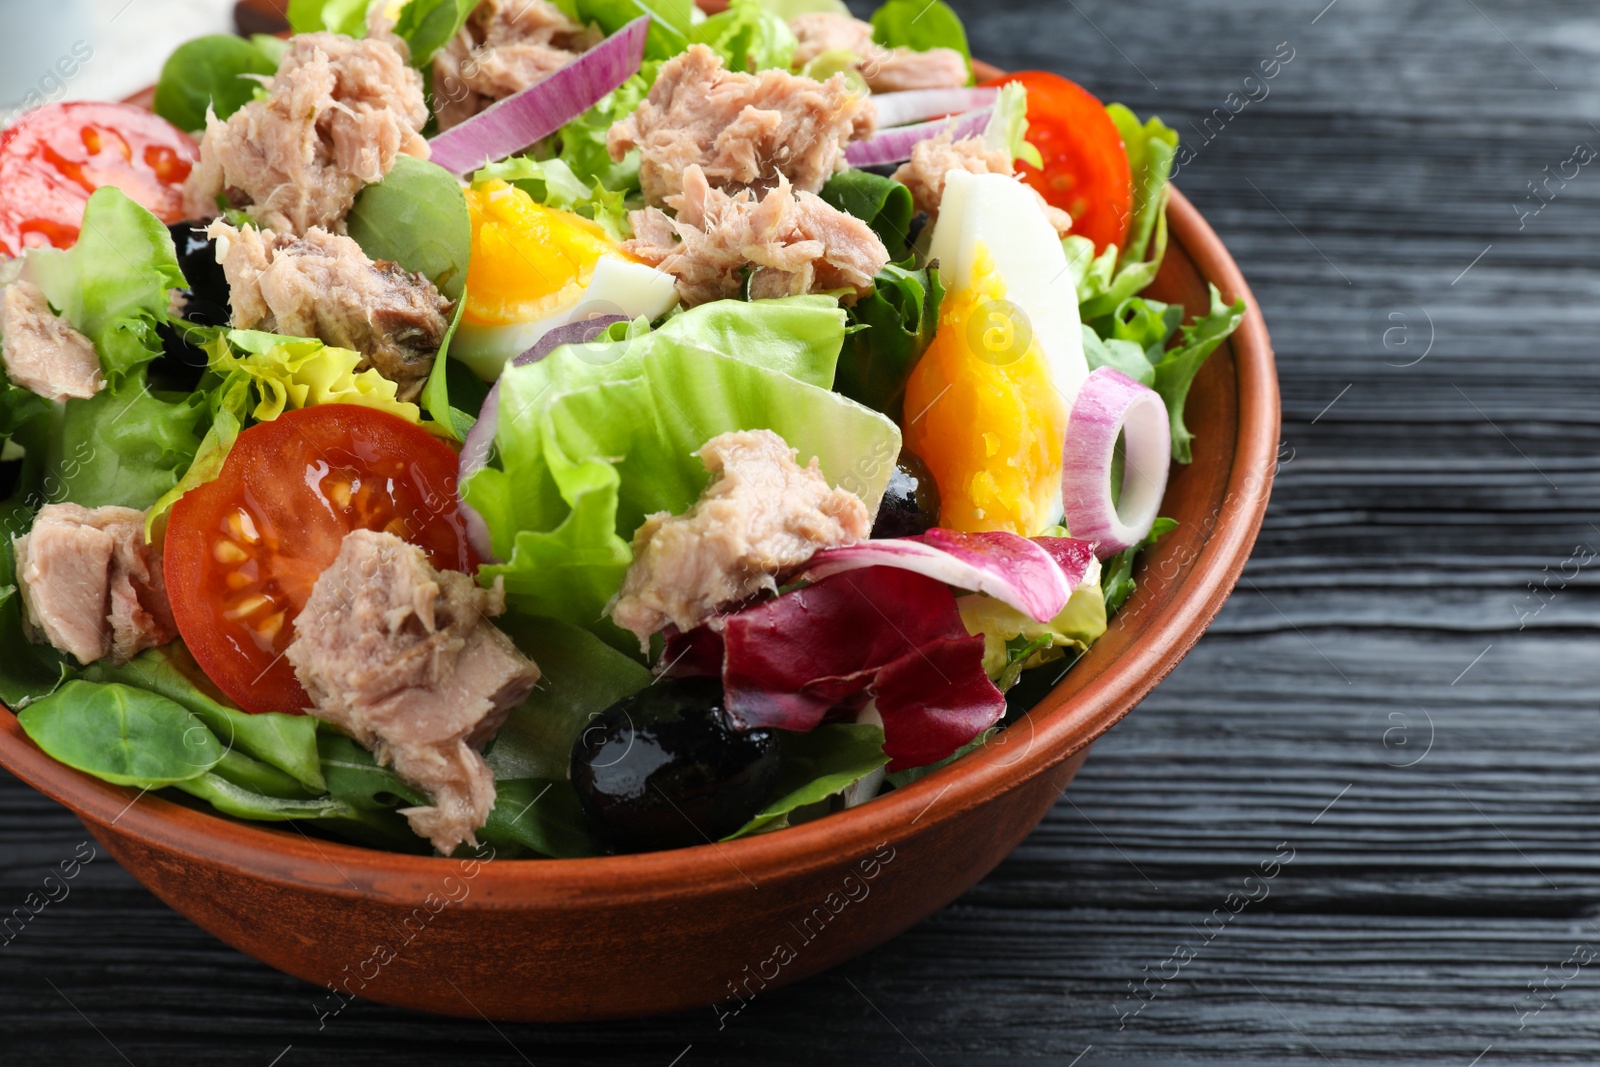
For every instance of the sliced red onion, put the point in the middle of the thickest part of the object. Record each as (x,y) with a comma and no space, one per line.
(894,146)
(480,439)
(1029,577)
(541,109)
(915,105)
(1110,403)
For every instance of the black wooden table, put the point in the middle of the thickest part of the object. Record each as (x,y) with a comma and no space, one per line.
(1359,822)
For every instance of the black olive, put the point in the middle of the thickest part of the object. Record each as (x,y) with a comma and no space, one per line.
(665,768)
(911,503)
(205,302)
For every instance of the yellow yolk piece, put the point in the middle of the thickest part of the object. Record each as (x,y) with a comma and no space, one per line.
(528,261)
(984,413)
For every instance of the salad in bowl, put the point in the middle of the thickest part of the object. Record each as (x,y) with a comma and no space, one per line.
(527,426)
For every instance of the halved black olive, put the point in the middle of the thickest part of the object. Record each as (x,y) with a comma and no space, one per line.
(911,503)
(665,768)
(205,302)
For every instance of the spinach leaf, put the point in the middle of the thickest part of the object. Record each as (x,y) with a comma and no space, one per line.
(542,815)
(1116,575)
(920,25)
(240,770)
(243,802)
(209,72)
(427,25)
(416,217)
(1176,371)
(818,764)
(581,676)
(348,17)
(112,285)
(28,672)
(894,327)
(451,381)
(285,742)
(354,777)
(882,203)
(121,735)
(124,446)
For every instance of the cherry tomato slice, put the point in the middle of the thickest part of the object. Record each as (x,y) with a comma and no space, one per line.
(1086,171)
(54,156)
(242,552)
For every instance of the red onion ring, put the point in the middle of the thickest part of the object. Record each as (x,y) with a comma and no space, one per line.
(894,146)
(1110,403)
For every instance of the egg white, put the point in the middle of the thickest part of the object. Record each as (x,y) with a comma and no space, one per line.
(618,287)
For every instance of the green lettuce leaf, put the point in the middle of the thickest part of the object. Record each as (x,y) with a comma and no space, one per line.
(28,672)
(213,72)
(748,37)
(1151,147)
(920,25)
(1008,127)
(580,677)
(816,765)
(125,447)
(112,285)
(583,140)
(670,20)
(1176,371)
(882,203)
(416,217)
(552,182)
(1078,625)
(595,437)
(1117,572)
(427,25)
(791,9)
(894,326)
(348,17)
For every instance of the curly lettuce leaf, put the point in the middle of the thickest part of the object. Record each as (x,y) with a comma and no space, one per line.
(748,37)
(299,372)
(595,437)
(220,72)
(582,142)
(1117,572)
(670,20)
(895,325)
(1008,126)
(112,285)
(1151,147)
(552,182)
(1006,630)
(1176,371)
(920,25)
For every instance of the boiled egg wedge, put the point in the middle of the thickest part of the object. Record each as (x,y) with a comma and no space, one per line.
(986,407)
(535,268)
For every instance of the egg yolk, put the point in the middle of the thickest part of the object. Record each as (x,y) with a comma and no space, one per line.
(983,412)
(528,261)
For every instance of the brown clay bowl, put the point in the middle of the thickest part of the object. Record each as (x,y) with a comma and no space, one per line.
(555,940)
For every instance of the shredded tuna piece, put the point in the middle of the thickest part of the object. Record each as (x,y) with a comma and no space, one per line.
(402,658)
(799,242)
(337,114)
(322,285)
(43,353)
(745,131)
(505,46)
(885,70)
(933,160)
(761,516)
(90,584)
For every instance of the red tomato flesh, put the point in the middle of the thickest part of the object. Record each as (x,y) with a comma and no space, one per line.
(54,156)
(1086,172)
(242,552)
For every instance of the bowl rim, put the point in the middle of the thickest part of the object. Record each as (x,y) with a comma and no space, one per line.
(1057,730)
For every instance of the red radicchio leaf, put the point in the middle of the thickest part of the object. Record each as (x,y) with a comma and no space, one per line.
(895,634)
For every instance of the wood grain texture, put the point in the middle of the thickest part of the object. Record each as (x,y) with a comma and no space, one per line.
(1384,694)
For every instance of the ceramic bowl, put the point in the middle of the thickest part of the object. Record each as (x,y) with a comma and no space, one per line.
(625,936)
